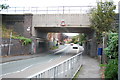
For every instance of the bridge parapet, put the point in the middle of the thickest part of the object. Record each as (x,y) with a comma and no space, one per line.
(55,20)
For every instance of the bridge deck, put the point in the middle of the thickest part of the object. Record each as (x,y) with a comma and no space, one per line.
(65,29)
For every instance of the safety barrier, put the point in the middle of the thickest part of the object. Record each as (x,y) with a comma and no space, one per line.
(65,69)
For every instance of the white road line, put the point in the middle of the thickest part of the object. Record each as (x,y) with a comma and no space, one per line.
(9,73)
(26,68)
(50,60)
(22,69)
(61,50)
(18,70)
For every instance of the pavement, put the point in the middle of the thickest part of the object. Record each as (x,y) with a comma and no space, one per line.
(21,57)
(90,68)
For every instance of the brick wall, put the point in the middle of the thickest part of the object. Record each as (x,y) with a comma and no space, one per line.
(16,47)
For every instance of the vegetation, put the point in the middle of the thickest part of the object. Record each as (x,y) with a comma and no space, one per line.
(75,40)
(102,21)
(102,18)
(3,6)
(79,39)
(6,34)
(82,38)
(54,47)
(24,40)
(111,51)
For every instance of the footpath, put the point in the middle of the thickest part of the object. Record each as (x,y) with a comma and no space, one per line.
(89,69)
(21,57)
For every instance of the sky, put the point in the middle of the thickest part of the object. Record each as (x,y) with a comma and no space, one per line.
(47,3)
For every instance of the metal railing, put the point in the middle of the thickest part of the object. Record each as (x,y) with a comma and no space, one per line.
(65,69)
(48,10)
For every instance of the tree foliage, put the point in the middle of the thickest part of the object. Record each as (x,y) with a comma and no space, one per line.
(82,38)
(102,18)
(112,46)
(75,40)
(3,6)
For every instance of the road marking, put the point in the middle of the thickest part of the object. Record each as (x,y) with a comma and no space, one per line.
(17,71)
(50,60)
(22,69)
(61,50)
(9,73)
(26,67)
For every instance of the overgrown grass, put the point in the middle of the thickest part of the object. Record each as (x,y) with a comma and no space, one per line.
(77,74)
(6,32)
(54,47)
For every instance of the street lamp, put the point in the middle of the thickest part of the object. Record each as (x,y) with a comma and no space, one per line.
(102,57)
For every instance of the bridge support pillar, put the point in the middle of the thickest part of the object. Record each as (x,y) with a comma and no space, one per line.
(91,45)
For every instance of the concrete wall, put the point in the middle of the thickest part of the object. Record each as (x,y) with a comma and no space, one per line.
(90,45)
(41,34)
(54,20)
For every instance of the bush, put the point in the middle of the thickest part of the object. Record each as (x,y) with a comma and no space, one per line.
(112,69)
(111,51)
(24,40)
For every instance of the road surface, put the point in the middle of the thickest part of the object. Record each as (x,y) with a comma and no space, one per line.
(17,68)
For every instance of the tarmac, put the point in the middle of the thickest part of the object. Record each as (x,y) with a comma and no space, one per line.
(89,69)
(21,57)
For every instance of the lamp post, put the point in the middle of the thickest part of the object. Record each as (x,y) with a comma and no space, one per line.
(103,56)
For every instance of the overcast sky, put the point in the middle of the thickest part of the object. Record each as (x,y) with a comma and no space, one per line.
(45,3)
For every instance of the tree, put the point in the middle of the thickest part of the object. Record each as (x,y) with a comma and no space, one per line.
(102,17)
(3,6)
(82,38)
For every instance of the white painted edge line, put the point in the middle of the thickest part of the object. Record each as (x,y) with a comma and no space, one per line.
(61,50)
(16,71)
